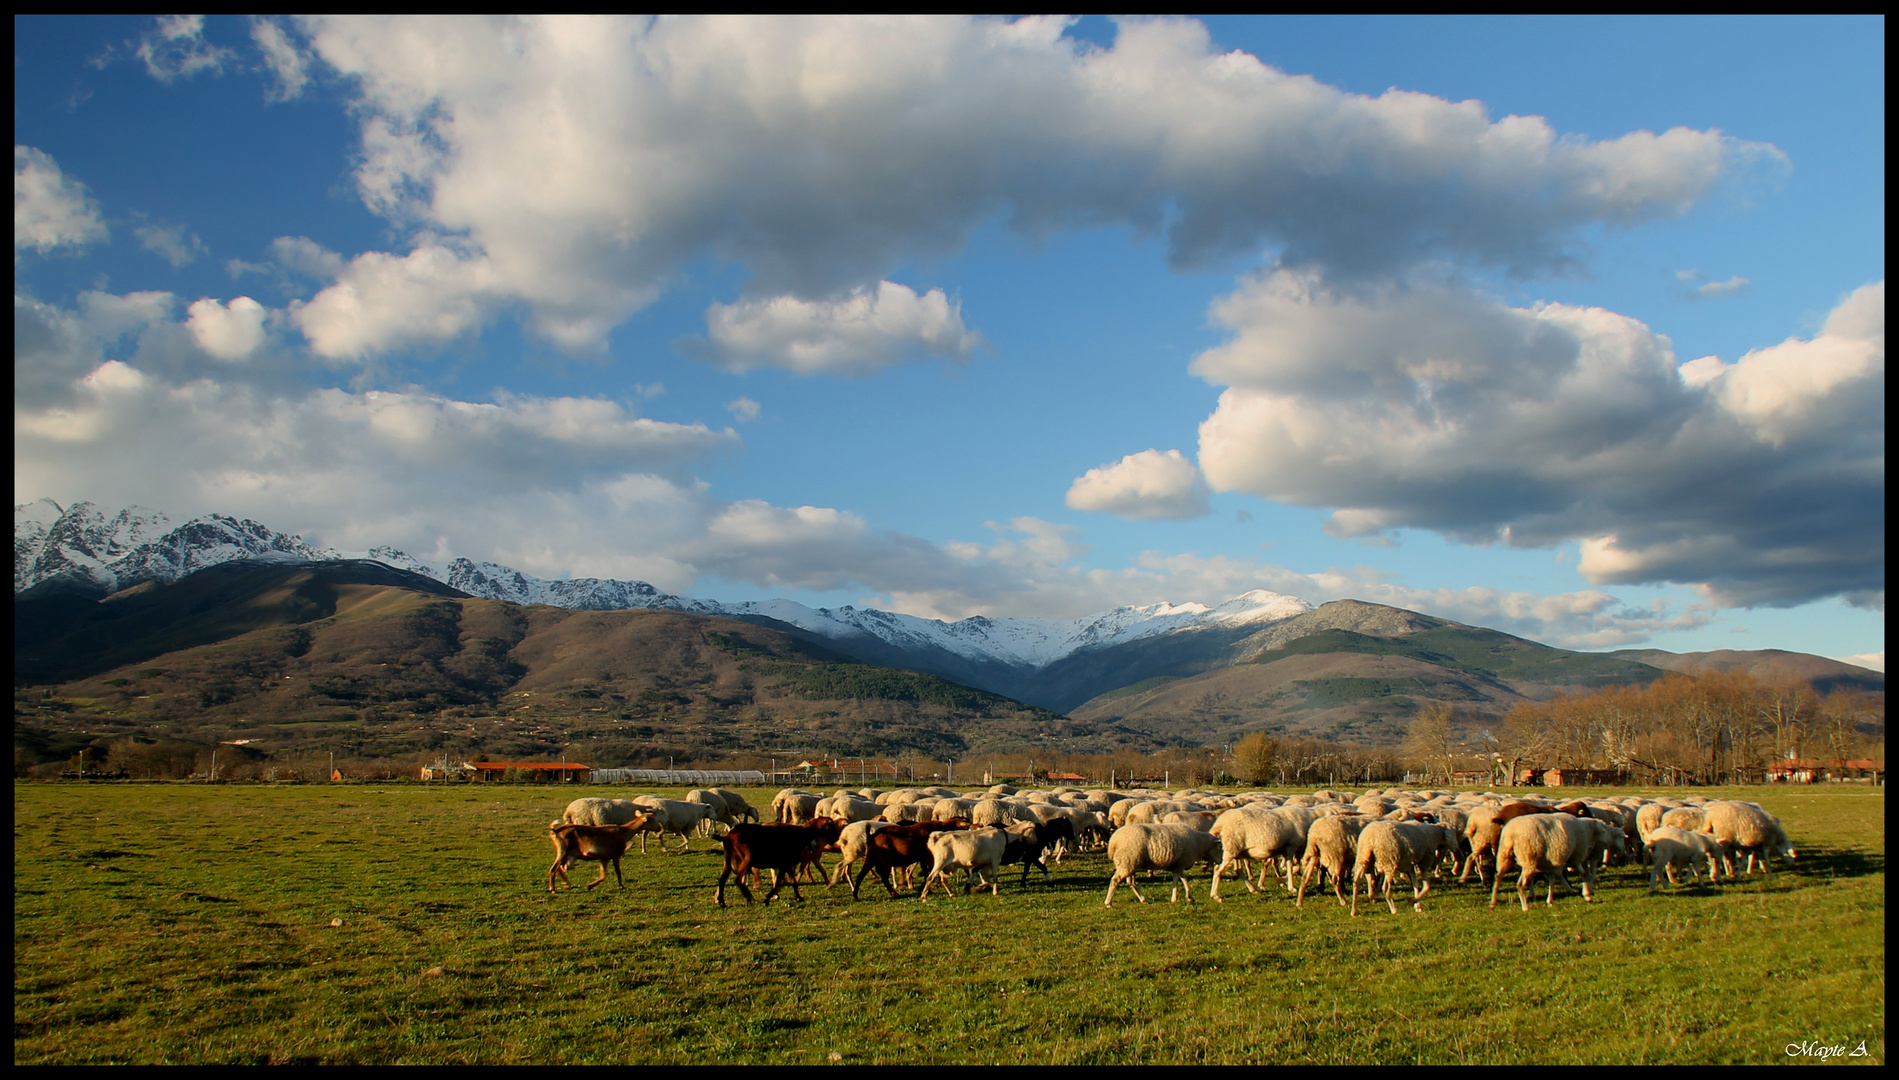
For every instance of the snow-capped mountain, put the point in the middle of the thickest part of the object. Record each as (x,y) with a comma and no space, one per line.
(81,547)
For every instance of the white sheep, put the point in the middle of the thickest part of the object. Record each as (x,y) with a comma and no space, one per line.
(593,810)
(1389,848)
(852,843)
(1719,863)
(1744,827)
(1666,852)
(1550,844)
(680,817)
(977,850)
(1246,837)
(1152,846)
(1331,847)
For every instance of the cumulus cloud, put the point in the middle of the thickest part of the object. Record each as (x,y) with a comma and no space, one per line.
(230,332)
(586,161)
(1874,661)
(429,297)
(1146,486)
(50,209)
(1426,406)
(744,410)
(544,482)
(857,334)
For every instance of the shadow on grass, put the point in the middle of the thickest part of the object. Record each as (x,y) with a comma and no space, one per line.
(1847,863)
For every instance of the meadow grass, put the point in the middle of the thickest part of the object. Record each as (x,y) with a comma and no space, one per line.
(192,924)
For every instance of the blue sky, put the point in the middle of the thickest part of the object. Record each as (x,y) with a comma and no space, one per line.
(1569,327)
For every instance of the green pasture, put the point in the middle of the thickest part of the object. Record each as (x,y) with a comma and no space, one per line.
(193,924)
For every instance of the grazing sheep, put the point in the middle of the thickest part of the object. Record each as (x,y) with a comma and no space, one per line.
(852,844)
(1744,827)
(1665,853)
(721,814)
(1550,844)
(1719,864)
(735,804)
(677,817)
(1154,846)
(1691,818)
(1246,837)
(597,811)
(794,807)
(1390,848)
(1331,848)
(1486,826)
(979,851)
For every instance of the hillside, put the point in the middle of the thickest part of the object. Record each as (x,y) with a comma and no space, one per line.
(1358,671)
(1822,674)
(365,659)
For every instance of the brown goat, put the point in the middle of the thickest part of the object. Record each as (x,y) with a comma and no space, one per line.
(898,848)
(591,843)
(782,849)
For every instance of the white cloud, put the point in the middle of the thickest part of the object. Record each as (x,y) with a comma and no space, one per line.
(744,410)
(1424,406)
(548,483)
(288,66)
(856,334)
(306,258)
(173,243)
(1873,661)
(228,333)
(176,49)
(1732,285)
(1147,486)
(429,297)
(50,209)
(586,161)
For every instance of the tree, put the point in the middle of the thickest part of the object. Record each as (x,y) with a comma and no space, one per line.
(1256,759)
(1431,741)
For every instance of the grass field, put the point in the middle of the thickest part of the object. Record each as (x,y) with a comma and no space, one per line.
(193,924)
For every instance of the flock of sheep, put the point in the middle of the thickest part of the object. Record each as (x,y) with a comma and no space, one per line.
(1373,839)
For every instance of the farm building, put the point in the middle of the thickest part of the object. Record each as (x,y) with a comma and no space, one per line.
(680,777)
(554,770)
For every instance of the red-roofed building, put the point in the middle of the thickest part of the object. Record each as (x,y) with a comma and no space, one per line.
(559,770)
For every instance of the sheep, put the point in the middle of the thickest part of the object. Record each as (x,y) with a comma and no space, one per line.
(992,812)
(1745,827)
(591,843)
(1331,847)
(1719,864)
(678,817)
(1486,827)
(1666,853)
(851,844)
(597,811)
(898,848)
(1390,848)
(1550,844)
(1691,818)
(979,851)
(716,802)
(735,804)
(794,807)
(1172,848)
(1246,836)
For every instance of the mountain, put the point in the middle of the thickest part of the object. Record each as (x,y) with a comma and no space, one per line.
(1357,671)
(1167,671)
(359,655)
(79,549)
(1054,663)
(1823,674)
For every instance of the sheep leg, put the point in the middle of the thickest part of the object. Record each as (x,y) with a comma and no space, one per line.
(1418,891)
(1180,885)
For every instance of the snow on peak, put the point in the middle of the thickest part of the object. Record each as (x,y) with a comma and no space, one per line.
(138,544)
